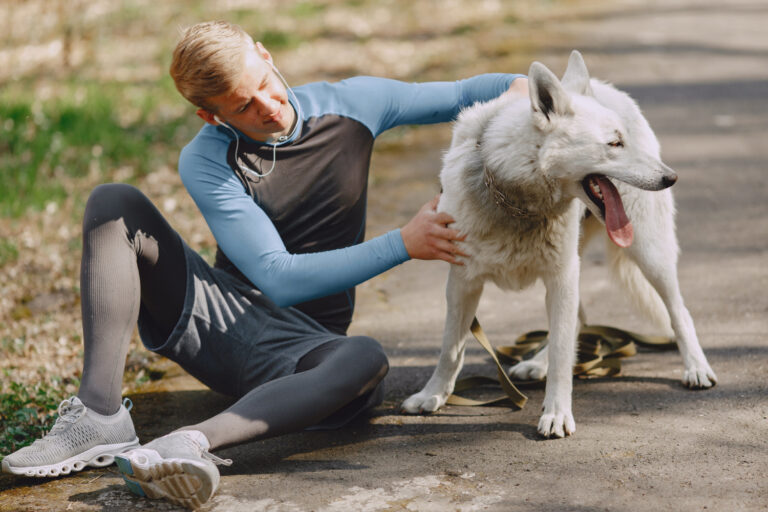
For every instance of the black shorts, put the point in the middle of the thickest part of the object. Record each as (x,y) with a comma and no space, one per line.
(230,336)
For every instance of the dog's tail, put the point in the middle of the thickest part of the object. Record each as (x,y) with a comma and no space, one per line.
(643,295)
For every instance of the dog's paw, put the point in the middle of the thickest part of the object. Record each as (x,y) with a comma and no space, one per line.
(699,377)
(423,403)
(529,370)
(556,424)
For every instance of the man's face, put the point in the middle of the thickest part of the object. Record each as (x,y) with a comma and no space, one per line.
(258,106)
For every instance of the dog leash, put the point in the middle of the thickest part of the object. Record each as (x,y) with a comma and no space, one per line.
(512,393)
(600,350)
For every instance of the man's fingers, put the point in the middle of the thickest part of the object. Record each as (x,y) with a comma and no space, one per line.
(448,234)
(427,236)
(446,247)
(449,247)
(519,87)
(430,208)
(450,258)
(444,218)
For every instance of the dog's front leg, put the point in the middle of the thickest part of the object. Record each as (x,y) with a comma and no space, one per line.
(562,308)
(462,297)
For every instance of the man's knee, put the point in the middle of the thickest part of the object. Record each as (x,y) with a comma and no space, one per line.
(370,357)
(111,201)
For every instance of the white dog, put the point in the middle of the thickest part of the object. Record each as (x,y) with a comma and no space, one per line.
(511,177)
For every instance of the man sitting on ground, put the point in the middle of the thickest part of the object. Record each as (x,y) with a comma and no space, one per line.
(280,176)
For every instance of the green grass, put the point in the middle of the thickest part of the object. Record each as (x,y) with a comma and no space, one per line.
(278,39)
(10,345)
(461,30)
(86,128)
(307,9)
(27,413)
(9,252)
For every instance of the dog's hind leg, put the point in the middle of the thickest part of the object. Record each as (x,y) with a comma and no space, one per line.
(462,296)
(534,368)
(660,268)
(591,228)
(641,292)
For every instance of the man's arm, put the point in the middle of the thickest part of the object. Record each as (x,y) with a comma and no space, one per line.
(382,104)
(250,240)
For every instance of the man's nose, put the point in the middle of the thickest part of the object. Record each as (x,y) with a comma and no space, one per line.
(264,103)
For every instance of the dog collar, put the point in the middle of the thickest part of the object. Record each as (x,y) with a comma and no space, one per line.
(500,198)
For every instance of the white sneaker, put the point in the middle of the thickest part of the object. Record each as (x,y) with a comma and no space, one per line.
(176,467)
(80,437)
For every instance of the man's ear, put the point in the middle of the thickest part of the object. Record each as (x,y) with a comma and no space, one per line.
(576,77)
(208,117)
(263,52)
(548,97)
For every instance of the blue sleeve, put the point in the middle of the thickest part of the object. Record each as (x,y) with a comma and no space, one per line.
(249,239)
(382,104)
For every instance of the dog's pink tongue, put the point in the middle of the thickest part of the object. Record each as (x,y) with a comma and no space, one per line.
(616,221)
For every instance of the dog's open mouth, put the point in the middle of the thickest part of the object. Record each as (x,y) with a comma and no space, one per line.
(603,193)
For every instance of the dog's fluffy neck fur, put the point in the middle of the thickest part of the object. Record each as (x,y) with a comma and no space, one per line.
(518,175)
(485,135)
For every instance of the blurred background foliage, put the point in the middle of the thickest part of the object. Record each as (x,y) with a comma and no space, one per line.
(85,92)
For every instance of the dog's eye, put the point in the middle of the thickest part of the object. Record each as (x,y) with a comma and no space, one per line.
(616,144)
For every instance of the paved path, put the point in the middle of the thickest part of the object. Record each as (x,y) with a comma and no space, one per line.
(700,72)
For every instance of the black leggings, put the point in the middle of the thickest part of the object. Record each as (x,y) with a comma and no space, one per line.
(133,259)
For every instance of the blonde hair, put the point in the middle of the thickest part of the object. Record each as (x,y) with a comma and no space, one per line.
(209,60)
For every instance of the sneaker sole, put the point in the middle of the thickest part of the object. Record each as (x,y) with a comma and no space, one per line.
(184,482)
(97,457)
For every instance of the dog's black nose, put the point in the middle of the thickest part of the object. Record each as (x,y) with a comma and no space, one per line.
(669,180)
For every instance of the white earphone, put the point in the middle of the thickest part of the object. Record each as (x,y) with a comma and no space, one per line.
(273,142)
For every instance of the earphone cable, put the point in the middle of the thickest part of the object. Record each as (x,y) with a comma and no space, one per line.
(248,169)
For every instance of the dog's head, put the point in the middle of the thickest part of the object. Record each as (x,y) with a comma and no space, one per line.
(589,140)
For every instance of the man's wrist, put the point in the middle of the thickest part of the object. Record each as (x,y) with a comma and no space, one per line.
(398,245)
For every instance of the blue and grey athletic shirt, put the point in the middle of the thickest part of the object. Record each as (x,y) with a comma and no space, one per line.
(297,234)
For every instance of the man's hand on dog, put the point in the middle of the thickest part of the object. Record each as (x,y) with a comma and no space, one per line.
(428,237)
(519,87)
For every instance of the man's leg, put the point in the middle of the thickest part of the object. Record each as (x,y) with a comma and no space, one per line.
(131,257)
(336,380)
(337,375)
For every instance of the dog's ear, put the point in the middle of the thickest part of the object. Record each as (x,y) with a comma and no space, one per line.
(547,94)
(576,77)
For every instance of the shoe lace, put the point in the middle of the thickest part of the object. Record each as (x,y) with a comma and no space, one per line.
(216,460)
(70,410)
(205,454)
